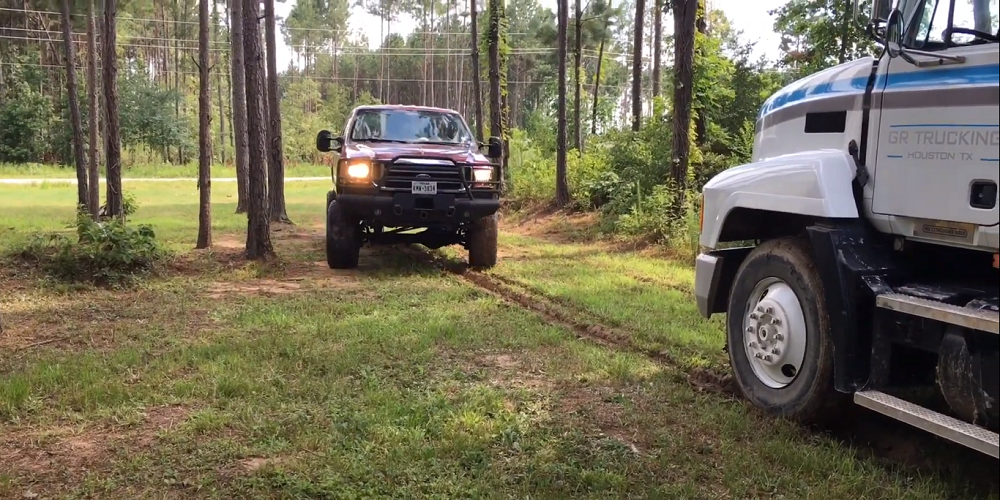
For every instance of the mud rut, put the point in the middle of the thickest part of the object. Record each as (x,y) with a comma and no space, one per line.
(891,443)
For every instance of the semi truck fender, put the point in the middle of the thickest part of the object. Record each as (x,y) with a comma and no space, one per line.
(804,185)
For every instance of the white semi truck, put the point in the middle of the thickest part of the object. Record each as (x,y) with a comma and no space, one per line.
(871,202)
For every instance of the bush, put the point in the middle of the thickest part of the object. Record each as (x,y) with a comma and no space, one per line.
(107,253)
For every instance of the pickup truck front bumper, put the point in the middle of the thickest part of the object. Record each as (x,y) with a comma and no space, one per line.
(407,209)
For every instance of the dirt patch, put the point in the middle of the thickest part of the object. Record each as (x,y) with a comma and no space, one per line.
(62,455)
(514,370)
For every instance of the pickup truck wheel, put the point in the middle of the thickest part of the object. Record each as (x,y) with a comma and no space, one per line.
(482,242)
(343,244)
(779,335)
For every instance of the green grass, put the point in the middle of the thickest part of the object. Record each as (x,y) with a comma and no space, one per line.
(394,381)
(143,171)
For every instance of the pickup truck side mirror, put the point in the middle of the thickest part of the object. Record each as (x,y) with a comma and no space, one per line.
(494,147)
(326,142)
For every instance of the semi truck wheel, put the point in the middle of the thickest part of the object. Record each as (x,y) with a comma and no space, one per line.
(343,244)
(778,333)
(482,242)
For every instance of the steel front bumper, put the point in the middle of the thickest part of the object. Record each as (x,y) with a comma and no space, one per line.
(399,209)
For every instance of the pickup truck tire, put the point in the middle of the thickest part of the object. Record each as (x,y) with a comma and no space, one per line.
(482,242)
(343,245)
(778,333)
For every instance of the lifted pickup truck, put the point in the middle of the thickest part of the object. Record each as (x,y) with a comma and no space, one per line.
(405,168)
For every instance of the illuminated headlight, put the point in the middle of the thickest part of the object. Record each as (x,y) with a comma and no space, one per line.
(482,174)
(357,170)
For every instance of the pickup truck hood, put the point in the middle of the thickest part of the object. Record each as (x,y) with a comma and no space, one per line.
(386,151)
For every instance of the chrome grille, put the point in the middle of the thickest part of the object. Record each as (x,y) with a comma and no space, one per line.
(399,175)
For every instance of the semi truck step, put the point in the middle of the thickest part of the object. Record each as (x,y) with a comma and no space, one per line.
(965,434)
(987,321)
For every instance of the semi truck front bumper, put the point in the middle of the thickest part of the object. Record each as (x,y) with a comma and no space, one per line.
(713,278)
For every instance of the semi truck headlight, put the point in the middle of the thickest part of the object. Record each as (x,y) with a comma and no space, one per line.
(357,170)
(482,174)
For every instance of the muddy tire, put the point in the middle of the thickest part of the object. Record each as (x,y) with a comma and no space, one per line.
(482,243)
(778,333)
(343,244)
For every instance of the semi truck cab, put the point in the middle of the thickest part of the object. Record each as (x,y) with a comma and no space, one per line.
(855,256)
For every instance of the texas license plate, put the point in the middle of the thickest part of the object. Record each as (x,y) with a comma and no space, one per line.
(424,187)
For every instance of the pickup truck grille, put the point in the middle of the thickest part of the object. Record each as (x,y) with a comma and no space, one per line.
(399,175)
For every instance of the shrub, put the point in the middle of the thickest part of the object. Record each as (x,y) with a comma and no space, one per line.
(108,253)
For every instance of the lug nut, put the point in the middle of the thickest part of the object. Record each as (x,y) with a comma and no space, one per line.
(779,337)
(753,316)
(753,345)
(775,321)
(757,355)
(749,329)
(775,351)
(760,309)
(768,310)
(767,358)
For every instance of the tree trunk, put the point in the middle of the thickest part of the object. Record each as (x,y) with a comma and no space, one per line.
(657,44)
(258,244)
(477,88)
(685,12)
(577,84)
(204,132)
(82,193)
(494,70)
(93,183)
(239,106)
(597,84)
(562,187)
(700,119)
(218,85)
(276,160)
(113,146)
(640,12)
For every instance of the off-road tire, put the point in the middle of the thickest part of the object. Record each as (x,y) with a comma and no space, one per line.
(482,243)
(810,397)
(343,245)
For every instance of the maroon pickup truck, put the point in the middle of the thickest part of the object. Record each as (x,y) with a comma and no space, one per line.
(404,168)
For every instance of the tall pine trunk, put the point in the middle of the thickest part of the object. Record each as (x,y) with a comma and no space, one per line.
(577,83)
(657,44)
(239,106)
(597,81)
(700,118)
(113,143)
(477,87)
(276,160)
(640,12)
(258,245)
(218,84)
(82,193)
(685,12)
(562,188)
(204,132)
(93,169)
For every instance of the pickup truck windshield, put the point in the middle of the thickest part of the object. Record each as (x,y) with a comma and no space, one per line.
(410,126)
(929,23)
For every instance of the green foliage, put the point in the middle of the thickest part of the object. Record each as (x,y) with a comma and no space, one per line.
(24,125)
(109,253)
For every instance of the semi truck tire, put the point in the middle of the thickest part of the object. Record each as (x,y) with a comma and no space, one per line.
(778,333)
(343,245)
(482,242)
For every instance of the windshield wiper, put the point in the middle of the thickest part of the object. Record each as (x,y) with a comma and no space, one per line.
(383,140)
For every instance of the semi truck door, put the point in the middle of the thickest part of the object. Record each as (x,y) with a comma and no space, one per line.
(938,152)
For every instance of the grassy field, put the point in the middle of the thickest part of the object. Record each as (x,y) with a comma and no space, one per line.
(222,379)
(145,171)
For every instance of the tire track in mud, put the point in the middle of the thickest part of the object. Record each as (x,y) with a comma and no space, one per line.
(869,434)
(585,325)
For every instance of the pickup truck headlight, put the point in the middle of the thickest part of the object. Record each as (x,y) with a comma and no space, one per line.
(482,174)
(356,170)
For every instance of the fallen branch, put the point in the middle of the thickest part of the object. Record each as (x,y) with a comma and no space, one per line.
(40,343)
